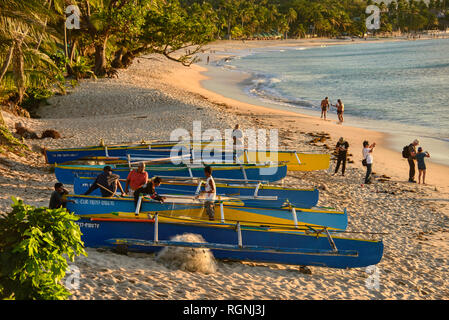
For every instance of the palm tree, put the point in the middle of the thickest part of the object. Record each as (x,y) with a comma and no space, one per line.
(22,23)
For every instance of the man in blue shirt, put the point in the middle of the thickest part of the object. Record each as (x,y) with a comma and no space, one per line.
(421,164)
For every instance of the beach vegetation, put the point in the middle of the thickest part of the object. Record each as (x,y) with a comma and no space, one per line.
(8,142)
(35,247)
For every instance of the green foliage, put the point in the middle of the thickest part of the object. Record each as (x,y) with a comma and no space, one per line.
(60,60)
(9,142)
(82,68)
(35,95)
(34,244)
(170,28)
(257,18)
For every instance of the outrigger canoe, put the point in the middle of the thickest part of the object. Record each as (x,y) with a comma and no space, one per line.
(302,198)
(310,246)
(295,161)
(267,172)
(226,209)
(116,150)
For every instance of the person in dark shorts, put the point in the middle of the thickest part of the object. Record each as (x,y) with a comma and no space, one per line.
(368,157)
(342,154)
(340,110)
(150,190)
(57,197)
(324,107)
(107,182)
(411,160)
(420,156)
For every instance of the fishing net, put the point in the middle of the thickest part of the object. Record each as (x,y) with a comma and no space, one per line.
(188,259)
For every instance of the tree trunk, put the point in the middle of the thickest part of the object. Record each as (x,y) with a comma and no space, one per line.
(18,69)
(6,63)
(65,41)
(2,121)
(100,57)
(72,53)
(117,62)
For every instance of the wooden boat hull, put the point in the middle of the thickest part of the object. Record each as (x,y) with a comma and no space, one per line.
(298,248)
(302,198)
(66,173)
(233,210)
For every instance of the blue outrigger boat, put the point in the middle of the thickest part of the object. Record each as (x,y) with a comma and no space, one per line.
(216,151)
(249,210)
(118,150)
(309,246)
(267,172)
(302,198)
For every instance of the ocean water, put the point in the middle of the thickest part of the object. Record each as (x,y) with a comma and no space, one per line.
(400,88)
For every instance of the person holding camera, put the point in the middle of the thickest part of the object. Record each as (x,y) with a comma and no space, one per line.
(368,159)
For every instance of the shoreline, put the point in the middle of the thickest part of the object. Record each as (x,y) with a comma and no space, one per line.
(387,150)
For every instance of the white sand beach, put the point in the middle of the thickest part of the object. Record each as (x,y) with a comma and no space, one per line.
(155,96)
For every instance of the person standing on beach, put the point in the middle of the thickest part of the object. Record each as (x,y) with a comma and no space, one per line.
(342,153)
(411,160)
(210,193)
(136,178)
(368,158)
(340,110)
(324,107)
(237,142)
(421,164)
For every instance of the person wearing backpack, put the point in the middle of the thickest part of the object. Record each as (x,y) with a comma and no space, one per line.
(409,152)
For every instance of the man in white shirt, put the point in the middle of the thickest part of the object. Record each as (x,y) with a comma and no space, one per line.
(210,193)
(368,157)
(237,137)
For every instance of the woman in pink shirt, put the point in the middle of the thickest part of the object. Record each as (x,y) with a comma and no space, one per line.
(136,178)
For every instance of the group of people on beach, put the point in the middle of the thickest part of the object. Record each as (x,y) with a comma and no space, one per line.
(409,152)
(138,185)
(325,106)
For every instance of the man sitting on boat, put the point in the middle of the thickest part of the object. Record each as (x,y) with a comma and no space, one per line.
(148,189)
(107,182)
(136,178)
(210,193)
(57,199)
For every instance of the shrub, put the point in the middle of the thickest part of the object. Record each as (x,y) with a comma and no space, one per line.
(34,244)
